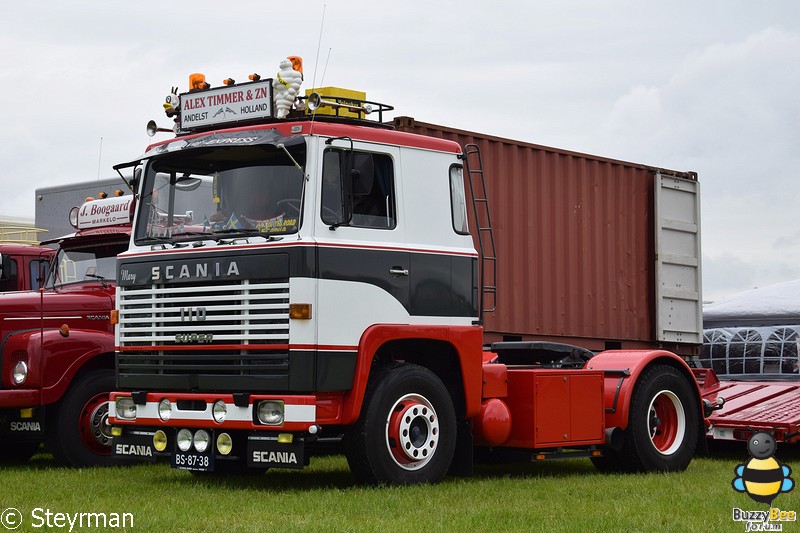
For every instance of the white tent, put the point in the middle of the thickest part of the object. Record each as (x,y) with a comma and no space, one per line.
(754,332)
(773,305)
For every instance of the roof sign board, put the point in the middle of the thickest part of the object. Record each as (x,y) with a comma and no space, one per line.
(105,212)
(223,105)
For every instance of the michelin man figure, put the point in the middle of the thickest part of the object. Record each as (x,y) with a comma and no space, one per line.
(286,86)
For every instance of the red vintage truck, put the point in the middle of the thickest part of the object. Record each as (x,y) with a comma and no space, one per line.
(58,342)
(321,274)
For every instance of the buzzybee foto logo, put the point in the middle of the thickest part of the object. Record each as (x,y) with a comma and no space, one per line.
(763,478)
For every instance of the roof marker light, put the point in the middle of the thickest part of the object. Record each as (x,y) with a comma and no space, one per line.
(197,82)
(229,81)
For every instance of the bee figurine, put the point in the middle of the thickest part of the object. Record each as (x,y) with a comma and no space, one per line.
(762,477)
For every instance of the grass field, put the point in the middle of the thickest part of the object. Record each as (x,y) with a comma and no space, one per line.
(554,496)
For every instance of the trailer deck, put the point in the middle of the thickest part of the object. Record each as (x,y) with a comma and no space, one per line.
(751,406)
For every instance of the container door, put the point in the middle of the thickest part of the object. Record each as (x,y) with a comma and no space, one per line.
(679,306)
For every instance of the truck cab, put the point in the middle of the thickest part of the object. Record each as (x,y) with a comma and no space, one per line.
(58,343)
(23,267)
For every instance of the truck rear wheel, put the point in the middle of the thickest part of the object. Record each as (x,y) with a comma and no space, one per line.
(78,432)
(407,430)
(663,422)
(17,452)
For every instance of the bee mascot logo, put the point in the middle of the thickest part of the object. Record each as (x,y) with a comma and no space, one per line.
(762,477)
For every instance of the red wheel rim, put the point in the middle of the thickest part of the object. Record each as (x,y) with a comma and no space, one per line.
(666,422)
(412,432)
(95,431)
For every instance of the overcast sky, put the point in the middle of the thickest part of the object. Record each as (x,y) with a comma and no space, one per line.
(709,86)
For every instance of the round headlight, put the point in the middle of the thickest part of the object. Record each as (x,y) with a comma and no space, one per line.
(270,412)
(184,440)
(20,373)
(160,441)
(164,409)
(201,439)
(224,444)
(219,411)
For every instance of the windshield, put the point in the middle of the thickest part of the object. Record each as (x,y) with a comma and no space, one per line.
(92,262)
(205,192)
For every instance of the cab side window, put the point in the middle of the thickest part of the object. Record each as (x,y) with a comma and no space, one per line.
(9,280)
(358,189)
(458,201)
(39,271)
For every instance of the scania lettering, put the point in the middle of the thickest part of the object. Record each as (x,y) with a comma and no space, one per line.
(25,426)
(58,343)
(361,295)
(130,449)
(274,457)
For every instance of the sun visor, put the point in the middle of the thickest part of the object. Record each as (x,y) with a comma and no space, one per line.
(210,140)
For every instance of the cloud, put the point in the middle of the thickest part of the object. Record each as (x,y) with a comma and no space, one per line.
(709,86)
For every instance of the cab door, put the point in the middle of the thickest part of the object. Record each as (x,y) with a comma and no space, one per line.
(361,238)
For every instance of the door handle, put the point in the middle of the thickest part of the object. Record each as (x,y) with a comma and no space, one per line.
(398,271)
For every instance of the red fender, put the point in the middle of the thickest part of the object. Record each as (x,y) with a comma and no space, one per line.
(63,357)
(622,370)
(466,340)
(22,341)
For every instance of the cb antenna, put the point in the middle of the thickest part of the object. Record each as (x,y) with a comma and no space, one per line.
(99,159)
(319,43)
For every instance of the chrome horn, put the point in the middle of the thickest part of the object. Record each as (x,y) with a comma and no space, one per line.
(152,129)
(315,101)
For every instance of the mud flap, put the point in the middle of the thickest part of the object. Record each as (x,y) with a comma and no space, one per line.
(463,460)
(14,427)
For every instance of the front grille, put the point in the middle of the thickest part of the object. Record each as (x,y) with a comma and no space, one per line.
(235,312)
(230,336)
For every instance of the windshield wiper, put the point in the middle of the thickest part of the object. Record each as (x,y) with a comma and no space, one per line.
(102,279)
(164,241)
(248,233)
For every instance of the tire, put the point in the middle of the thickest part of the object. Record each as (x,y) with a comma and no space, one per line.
(407,430)
(663,422)
(78,433)
(17,452)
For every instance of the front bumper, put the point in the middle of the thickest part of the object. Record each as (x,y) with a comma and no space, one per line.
(19,398)
(196,411)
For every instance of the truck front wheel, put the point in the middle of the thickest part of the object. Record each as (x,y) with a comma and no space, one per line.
(407,430)
(78,432)
(664,422)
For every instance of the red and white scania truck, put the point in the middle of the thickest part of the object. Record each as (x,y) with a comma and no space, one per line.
(292,278)
(57,350)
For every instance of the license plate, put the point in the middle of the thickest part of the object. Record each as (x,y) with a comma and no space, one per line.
(268,452)
(723,434)
(191,460)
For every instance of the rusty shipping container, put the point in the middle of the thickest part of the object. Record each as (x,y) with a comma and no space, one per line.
(590,251)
